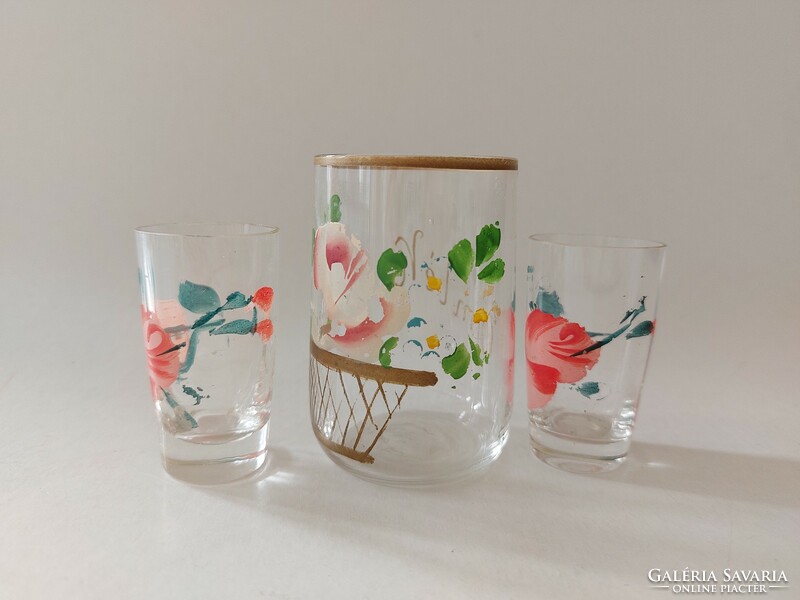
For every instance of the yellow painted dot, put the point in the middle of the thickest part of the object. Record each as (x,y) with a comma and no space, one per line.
(480,316)
(433,342)
(434,283)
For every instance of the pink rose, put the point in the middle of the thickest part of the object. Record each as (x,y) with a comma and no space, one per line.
(163,362)
(359,308)
(550,345)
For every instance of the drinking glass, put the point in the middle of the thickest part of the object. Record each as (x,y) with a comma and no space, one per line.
(592,314)
(207,292)
(412,319)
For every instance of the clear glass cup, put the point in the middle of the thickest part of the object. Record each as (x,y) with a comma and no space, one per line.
(207,292)
(592,314)
(412,320)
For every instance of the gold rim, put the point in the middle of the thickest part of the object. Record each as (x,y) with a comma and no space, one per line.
(472,163)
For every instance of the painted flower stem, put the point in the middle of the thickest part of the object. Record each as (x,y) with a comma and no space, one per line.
(630,316)
(234,301)
(173,349)
(190,352)
(179,409)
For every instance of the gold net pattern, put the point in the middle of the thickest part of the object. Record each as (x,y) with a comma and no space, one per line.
(348,398)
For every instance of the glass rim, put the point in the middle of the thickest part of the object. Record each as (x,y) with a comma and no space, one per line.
(587,240)
(414,161)
(206,230)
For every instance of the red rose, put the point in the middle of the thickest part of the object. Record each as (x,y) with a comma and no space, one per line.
(550,343)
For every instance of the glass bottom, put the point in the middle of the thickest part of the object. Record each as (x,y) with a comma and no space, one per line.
(422,449)
(574,443)
(217,459)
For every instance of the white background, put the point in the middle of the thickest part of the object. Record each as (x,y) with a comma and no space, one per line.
(677,121)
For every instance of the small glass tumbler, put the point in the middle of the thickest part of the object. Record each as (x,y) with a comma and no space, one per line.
(592,307)
(207,294)
(412,319)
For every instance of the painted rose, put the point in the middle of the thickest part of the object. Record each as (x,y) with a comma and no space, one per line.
(359,309)
(550,345)
(163,361)
(170,316)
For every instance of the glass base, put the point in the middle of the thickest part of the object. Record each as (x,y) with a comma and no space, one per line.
(568,453)
(217,460)
(424,449)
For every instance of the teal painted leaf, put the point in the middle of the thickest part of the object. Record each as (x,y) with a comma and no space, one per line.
(190,391)
(589,388)
(235,300)
(390,265)
(493,272)
(197,298)
(417,343)
(416,322)
(237,327)
(457,363)
(461,257)
(385,353)
(642,329)
(486,244)
(476,353)
(550,303)
(336,210)
(429,352)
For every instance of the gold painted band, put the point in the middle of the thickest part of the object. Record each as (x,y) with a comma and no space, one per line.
(469,163)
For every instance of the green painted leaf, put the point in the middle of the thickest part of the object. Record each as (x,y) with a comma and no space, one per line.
(390,265)
(476,353)
(493,272)
(385,353)
(461,257)
(457,363)
(235,300)
(642,329)
(486,244)
(476,375)
(549,302)
(197,298)
(589,388)
(237,327)
(336,209)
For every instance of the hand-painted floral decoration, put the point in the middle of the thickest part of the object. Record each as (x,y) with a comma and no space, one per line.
(560,351)
(366,306)
(171,341)
(364,341)
(361,309)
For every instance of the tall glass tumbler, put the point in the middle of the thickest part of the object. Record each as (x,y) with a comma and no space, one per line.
(207,292)
(412,316)
(592,314)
